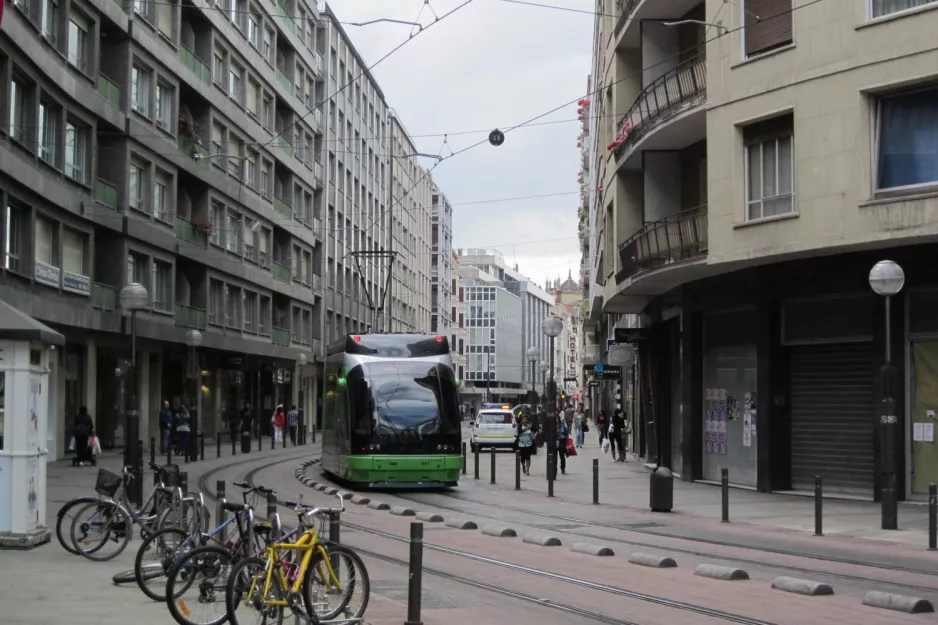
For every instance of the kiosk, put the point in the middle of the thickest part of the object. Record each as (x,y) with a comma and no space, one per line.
(24,402)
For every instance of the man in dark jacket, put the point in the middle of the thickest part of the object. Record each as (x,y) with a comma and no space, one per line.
(166,427)
(82,429)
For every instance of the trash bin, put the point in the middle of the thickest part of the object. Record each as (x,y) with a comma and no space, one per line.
(661,491)
(245,442)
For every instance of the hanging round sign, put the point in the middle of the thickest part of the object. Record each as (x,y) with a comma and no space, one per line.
(496,137)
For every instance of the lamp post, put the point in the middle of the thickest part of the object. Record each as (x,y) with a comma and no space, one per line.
(193,340)
(887,279)
(301,360)
(552,327)
(133,297)
(544,366)
(533,355)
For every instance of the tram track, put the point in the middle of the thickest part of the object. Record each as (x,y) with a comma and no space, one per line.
(664,602)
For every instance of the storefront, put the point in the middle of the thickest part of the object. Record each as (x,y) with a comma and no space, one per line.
(730,402)
(922,353)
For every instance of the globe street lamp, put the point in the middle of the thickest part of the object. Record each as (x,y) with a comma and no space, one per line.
(301,360)
(133,297)
(887,279)
(193,340)
(533,355)
(552,327)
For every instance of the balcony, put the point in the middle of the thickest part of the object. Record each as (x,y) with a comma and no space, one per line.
(316,225)
(279,336)
(317,284)
(284,145)
(317,172)
(317,66)
(103,297)
(109,90)
(105,193)
(673,95)
(633,12)
(286,18)
(192,149)
(200,69)
(190,317)
(187,231)
(676,238)
(283,207)
(284,80)
(280,272)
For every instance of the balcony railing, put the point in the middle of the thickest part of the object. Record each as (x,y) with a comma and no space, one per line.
(194,63)
(192,149)
(105,193)
(190,317)
(317,171)
(670,94)
(286,18)
(103,297)
(678,237)
(279,336)
(187,231)
(317,283)
(283,207)
(280,272)
(316,225)
(109,90)
(318,65)
(284,145)
(284,80)
(626,8)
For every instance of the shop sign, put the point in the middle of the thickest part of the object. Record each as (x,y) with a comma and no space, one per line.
(76,283)
(47,274)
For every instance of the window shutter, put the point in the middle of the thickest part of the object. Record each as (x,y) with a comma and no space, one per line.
(72,248)
(164,18)
(773,28)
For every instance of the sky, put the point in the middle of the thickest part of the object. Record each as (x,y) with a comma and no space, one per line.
(492,64)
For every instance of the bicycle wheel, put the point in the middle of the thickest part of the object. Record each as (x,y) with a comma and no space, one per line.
(244,597)
(63,521)
(155,558)
(328,600)
(99,525)
(204,571)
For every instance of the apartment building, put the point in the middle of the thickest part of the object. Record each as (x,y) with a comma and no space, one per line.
(746,174)
(442,277)
(174,146)
(411,205)
(459,334)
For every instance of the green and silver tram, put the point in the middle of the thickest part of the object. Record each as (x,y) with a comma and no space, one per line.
(390,415)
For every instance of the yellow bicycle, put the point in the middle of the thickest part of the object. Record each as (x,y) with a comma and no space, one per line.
(313,579)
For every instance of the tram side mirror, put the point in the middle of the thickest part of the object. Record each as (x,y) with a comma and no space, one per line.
(458,383)
(340,382)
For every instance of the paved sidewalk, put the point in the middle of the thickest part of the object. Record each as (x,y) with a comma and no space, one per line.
(627,484)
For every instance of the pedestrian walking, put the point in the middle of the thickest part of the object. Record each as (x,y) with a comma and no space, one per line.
(247,419)
(82,431)
(562,435)
(579,422)
(601,426)
(568,415)
(166,427)
(525,444)
(182,431)
(293,421)
(277,421)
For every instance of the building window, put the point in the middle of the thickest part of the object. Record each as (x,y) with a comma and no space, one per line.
(78,41)
(265,179)
(250,311)
(888,7)
(232,226)
(268,112)
(50,21)
(73,252)
(161,286)
(235,146)
(14,226)
(218,68)
(17,109)
(263,247)
(164,107)
(908,140)
(142,8)
(47,242)
(232,306)
(48,132)
(162,186)
(768,25)
(234,83)
(76,150)
(136,194)
(252,30)
(140,90)
(769,168)
(216,302)
(250,170)
(218,143)
(268,45)
(218,218)
(164,18)
(253,97)
(263,326)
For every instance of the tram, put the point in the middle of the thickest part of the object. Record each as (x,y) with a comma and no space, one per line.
(390,414)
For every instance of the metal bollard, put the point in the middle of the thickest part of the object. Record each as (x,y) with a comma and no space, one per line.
(284,441)
(220,512)
(818,506)
(273,442)
(234,445)
(725,488)
(218,445)
(185,454)
(596,481)
(415,583)
(933,516)
(517,470)
(152,450)
(169,452)
(464,458)
(201,446)
(476,454)
(335,530)
(492,455)
(259,442)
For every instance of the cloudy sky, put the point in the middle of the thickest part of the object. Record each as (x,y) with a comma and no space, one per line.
(493,64)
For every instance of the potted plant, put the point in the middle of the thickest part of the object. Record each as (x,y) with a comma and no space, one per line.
(204,226)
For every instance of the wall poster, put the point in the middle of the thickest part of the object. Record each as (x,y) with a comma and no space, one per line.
(32,495)
(718,409)
(32,426)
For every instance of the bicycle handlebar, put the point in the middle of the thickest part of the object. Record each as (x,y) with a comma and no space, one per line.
(304,510)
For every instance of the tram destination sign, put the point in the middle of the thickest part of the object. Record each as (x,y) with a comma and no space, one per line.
(601,371)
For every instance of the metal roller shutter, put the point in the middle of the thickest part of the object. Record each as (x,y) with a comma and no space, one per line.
(832,394)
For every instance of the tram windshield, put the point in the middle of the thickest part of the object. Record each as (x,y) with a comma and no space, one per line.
(414,396)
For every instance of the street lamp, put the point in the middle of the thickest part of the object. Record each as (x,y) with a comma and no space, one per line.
(133,297)
(887,279)
(533,355)
(552,326)
(544,366)
(301,360)
(193,340)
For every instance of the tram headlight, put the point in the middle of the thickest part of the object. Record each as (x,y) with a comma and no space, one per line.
(439,447)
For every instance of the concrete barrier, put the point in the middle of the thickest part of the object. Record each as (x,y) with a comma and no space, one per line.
(402,511)
(499,531)
(319,486)
(592,550)
(329,490)
(655,562)
(462,524)
(726,573)
(542,540)
(802,586)
(360,500)
(898,603)
(378,505)
(429,517)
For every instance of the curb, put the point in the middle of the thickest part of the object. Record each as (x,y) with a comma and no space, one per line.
(653,561)
(592,550)
(725,573)
(462,524)
(402,511)
(542,540)
(802,586)
(898,603)
(499,531)
(378,505)
(428,517)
